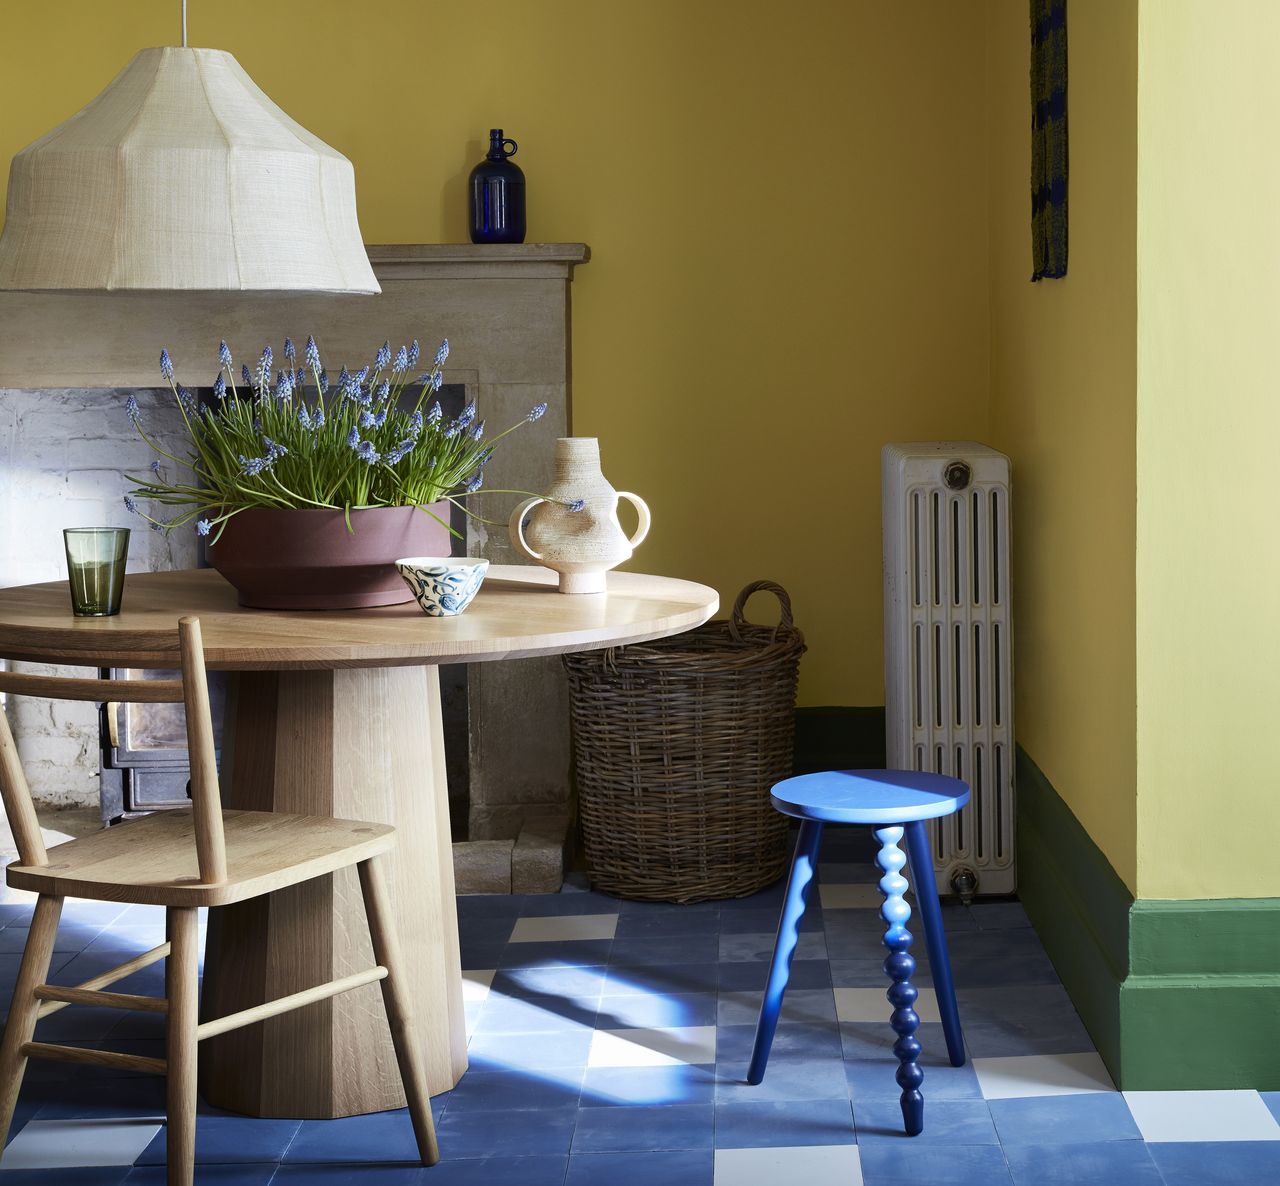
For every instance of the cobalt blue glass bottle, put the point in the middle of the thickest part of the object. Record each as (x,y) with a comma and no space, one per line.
(497,194)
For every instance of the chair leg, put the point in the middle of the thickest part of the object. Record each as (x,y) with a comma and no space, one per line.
(404,1036)
(182,990)
(803,866)
(21,1026)
(935,938)
(899,965)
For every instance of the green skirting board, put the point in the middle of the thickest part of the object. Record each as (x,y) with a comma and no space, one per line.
(1176,994)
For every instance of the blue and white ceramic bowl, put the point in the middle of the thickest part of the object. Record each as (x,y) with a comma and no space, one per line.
(443,585)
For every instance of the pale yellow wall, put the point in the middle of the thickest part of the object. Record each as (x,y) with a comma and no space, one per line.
(1208,435)
(1062,406)
(785,204)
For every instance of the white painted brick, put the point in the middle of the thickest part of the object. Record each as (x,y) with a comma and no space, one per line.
(63,457)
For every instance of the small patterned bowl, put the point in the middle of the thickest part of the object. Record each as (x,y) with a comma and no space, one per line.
(443,585)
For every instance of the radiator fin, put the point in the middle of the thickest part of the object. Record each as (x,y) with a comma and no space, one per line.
(948,648)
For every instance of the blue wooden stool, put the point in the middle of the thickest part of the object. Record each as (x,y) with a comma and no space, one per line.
(892,801)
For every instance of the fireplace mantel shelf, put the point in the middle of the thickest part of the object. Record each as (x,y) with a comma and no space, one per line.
(422,261)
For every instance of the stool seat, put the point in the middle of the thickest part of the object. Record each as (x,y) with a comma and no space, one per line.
(869,796)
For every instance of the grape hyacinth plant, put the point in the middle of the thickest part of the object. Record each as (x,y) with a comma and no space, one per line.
(294,438)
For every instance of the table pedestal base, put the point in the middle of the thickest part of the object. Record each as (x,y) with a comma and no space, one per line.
(355,743)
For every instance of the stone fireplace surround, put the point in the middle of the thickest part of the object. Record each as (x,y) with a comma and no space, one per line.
(64,445)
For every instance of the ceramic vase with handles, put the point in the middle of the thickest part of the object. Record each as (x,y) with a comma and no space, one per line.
(580,545)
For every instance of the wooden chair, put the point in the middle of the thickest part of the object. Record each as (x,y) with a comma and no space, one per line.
(183,860)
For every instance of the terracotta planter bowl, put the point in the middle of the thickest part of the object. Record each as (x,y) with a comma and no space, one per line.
(307,559)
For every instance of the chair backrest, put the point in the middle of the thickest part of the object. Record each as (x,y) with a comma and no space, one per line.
(191,690)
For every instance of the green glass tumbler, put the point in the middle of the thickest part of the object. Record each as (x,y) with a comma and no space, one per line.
(96,558)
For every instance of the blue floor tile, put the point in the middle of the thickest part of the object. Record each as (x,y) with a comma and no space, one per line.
(1113,1163)
(645,950)
(228,1138)
(892,1163)
(562,953)
(211,1175)
(757,921)
(747,1124)
(873,1079)
(678,920)
(819,1041)
(785,1079)
(482,1171)
(552,905)
(377,1137)
(535,1014)
(529,1052)
(625,1086)
(742,975)
(628,980)
(1064,1120)
(946,1122)
(465,1135)
(1217,1163)
(999,1022)
(999,916)
(106,1175)
(643,1128)
(493,1091)
(557,980)
(371,1174)
(688,1168)
(663,1011)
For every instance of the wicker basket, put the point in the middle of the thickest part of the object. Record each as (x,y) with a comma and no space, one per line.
(676,744)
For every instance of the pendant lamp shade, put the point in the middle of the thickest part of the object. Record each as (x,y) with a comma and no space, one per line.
(182,174)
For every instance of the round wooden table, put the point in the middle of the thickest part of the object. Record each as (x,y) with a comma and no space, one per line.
(338,713)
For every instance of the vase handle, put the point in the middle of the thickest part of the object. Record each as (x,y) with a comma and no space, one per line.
(642,510)
(515,527)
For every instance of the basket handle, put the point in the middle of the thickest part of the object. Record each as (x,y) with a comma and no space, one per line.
(739,617)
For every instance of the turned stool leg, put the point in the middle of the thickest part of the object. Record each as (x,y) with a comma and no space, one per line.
(803,866)
(899,965)
(935,938)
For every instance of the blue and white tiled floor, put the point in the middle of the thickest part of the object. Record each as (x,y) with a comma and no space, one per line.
(608,1044)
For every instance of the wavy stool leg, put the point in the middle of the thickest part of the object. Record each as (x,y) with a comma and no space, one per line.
(935,938)
(803,866)
(899,965)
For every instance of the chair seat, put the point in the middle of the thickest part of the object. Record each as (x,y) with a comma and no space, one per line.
(152,860)
(869,796)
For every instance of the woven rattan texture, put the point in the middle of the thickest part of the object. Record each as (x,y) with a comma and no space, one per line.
(676,744)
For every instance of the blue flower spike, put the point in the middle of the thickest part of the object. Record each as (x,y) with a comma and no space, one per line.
(132,410)
(204,527)
(290,350)
(383,357)
(442,353)
(166,365)
(401,361)
(224,355)
(311,352)
(537,413)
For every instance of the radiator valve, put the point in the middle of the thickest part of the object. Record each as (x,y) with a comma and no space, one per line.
(964,881)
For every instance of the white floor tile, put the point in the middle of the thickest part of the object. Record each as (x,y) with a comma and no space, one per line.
(476,983)
(565,926)
(62,1144)
(1202,1116)
(1023,1076)
(653,1047)
(814,1165)
(870,1004)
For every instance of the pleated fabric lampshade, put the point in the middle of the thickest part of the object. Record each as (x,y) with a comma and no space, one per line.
(182,174)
